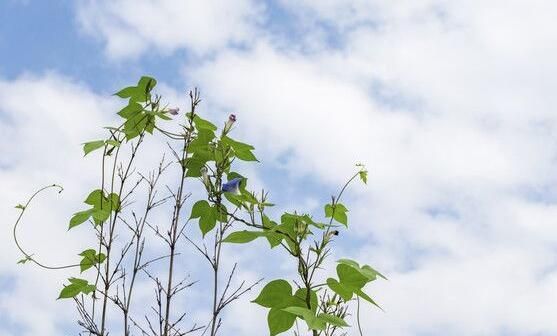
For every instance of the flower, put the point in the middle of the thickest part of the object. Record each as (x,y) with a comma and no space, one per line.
(232,186)
(174,111)
(231,120)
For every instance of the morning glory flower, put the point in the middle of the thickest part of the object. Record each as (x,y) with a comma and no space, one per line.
(231,120)
(232,186)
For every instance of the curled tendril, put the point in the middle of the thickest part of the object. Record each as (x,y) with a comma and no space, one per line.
(28,256)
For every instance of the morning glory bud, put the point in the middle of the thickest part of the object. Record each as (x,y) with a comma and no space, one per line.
(205,176)
(330,235)
(174,111)
(231,120)
(232,186)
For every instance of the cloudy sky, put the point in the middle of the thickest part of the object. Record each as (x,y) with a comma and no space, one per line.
(450,104)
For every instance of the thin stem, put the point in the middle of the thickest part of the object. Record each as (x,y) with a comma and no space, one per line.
(28,256)
(358,317)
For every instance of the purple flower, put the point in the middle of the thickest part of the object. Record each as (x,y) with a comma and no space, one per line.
(174,111)
(232,186)
(228,125)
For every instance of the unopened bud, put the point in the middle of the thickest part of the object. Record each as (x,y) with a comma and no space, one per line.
(231,120)
(204,176)
(301,228)
(331,234)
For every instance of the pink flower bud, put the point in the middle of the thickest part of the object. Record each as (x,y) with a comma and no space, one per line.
(231,120)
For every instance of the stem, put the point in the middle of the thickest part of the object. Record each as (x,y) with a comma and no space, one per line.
(20,248)
(174,234)
(111,229)
(173,239)
(358,318)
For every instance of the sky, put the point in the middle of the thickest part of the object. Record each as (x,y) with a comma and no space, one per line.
(450,104)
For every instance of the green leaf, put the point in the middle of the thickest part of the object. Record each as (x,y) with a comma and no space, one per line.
(112,142)
(135,125)
(313,322)
(363,176)
(69,291)
(96,198)
(242,237)
(90,259)
(279,321)
(338,212)
(199,209)
(300,299)
(333,320)
(236,144)
(202,140)
(202,124)
(245,155)
(76,287)
(276,294)
(349,262)
(351,277)
(221,213)
(241,150)
(364,296)
(19,206)
(146,84)
(194,165)
(297,310)
(208,221)
(114,201)
(163,116)
(88,289)
(345,293)
(126,92)
(274,238)
(80,217)
(366,270)
(150,124)
(237,200)
(369,274)
(77,281)
(207,215)
(100,215)
(90,146)
(130,110)
(24,260)
(370,270)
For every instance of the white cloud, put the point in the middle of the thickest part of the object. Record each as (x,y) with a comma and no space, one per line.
(42,122)
(450,106)
(130,28)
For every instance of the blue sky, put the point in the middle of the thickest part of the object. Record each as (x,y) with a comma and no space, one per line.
(449,103)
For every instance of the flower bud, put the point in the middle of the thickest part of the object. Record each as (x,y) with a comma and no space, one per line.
(331,234)
(205,176)
(231,120)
